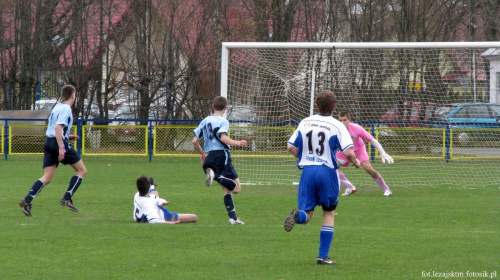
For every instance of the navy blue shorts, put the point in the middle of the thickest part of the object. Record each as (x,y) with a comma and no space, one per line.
(319,185)
(220,163)
(51,153)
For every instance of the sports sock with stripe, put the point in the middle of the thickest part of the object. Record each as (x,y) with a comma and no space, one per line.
(74,183)
(228,202)
(325,241)
(34,191)
(226,182)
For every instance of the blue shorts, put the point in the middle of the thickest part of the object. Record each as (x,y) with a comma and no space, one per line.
(319,185)
(220,163)
(51,153)
(169,216)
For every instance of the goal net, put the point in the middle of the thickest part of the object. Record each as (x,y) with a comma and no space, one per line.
(430,105)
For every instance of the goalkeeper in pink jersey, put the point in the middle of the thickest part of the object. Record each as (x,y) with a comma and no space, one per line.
(358,134)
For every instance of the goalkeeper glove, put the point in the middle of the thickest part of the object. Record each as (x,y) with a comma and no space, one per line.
(387,159)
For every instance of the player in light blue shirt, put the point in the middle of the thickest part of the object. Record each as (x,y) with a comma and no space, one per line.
(61,114)
(217,165)
(315,143)
(57,148)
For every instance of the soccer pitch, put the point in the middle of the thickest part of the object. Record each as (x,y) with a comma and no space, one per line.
(419,230)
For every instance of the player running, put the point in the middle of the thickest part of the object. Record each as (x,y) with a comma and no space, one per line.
(314,143)
(217,165)
(56,149)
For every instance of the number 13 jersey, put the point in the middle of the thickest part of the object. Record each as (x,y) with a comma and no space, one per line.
(318,138)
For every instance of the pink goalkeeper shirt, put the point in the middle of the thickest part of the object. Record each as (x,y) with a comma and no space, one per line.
(358,134)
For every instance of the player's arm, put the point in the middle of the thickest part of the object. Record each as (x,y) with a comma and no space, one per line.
(160,201)
(385,157)
(224,138)
(199,149)
(59,139)
(293,150)
(351,157)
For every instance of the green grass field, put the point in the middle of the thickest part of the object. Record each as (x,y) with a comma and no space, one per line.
(418,230)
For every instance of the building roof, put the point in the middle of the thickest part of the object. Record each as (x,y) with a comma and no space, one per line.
(490,53)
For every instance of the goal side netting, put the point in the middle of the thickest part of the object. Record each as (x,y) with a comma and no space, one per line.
(402,93)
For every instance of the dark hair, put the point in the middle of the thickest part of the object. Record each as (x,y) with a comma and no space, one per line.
(220,102)
(67,91)
(326,102)
(143,185)
(345,114)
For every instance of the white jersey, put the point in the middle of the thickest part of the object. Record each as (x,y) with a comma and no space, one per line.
(318,138)
(146,209)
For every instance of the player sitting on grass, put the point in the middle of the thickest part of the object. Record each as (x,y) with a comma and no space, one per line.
(358,134)
(148,206)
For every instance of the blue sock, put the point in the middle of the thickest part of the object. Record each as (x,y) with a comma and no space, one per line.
(302,219)
(228,201)
(74,183)
(35,189)
(325,241)
(226,182)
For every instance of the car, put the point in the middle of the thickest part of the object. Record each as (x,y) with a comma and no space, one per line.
(44,104)
(467,116)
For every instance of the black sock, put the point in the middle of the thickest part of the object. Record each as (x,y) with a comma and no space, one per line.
(228,201)
(226,182)
(35,189)
(74,183)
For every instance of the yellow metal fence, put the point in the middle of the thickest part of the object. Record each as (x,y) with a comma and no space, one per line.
(411,143)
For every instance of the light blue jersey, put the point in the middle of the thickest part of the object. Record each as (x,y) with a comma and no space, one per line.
(61,114)
(211,129)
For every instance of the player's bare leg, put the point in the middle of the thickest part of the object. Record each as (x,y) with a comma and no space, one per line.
(48,174)
(188,218)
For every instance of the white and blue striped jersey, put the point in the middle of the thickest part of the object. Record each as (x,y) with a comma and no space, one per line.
(211,129)
(60,114)
(318,138)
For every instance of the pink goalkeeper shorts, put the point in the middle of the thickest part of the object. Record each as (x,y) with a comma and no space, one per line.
(361,155)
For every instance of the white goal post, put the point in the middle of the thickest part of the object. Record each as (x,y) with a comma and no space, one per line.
(430,105)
